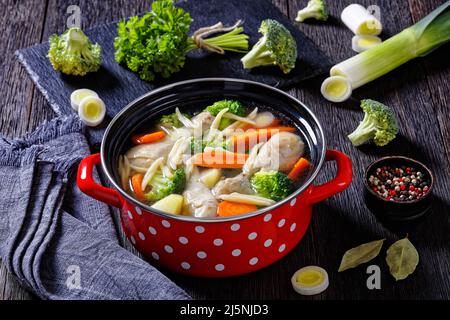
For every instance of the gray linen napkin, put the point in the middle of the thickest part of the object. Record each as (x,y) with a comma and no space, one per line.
(58,242)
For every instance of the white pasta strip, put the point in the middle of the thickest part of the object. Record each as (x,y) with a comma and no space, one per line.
(250,163)
(151,172)
(173,152)
(237,118)
(166,172)
(231,129)
(185,121)
(248,199)
(189,167)
(177,157)
(217,119)
(138,169)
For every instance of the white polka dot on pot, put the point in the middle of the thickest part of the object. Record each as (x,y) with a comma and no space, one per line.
(152,230)
(141,236)
(168,249)
(130,215)
(252,236)
(281,223)
(165,223)
(133,240)
(253,261)
(236,253)
(235,227)
(292,227)
(199,229)
(138,210)
(219,267)
(282,248)
(201,254)
(267,217)
(155,256)
(218,242)
(185,265)
(293,202)
(183,240)
(268,243)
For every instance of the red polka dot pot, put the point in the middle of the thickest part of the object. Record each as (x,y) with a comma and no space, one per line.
(222,246)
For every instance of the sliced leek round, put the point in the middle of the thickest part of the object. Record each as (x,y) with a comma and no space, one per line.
(80,94)
(362,43)
(360,21)
(92,111)
(310,280)
(336,89)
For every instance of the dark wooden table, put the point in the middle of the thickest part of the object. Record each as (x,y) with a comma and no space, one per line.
(418,91)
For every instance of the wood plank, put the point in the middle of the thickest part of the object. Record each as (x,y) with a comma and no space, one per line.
(17,91)
(340,226)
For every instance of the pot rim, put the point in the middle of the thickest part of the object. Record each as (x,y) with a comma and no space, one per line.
(302,188)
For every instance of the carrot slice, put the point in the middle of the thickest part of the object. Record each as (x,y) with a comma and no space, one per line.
(228,208)
(148,138)
(136,182)
(220,159)
(301,165)
(245,141)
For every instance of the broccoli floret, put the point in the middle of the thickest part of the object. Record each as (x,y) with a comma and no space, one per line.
(272,184)
(233,106)
(379,124)
(316,9)
(162,186)
(73,53)
(199,145)
(275,47)
(171,120)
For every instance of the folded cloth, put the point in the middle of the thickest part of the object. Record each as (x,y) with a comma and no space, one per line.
(59,243)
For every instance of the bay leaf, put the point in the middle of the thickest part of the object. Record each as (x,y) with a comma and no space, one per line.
(360,254)
(402,259)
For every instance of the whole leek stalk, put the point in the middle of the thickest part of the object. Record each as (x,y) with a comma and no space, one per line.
(415,41)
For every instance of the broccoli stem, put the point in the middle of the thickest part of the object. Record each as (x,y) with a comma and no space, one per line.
(258,56)
(364,132)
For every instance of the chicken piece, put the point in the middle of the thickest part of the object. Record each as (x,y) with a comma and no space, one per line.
(280,153)
(144,154)
(205,118)
(199,201)
(239,184)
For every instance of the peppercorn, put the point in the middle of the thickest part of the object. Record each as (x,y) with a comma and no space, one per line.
(398,183)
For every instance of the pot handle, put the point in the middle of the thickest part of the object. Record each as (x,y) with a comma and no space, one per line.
(88,186)
(342,180)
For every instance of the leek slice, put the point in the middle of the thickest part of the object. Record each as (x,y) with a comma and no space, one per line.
(336,89)
(92,111)
(80,94)
(360,21)
(310,280)
(363,43)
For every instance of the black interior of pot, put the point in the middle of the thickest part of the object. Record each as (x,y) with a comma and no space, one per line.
(193,96)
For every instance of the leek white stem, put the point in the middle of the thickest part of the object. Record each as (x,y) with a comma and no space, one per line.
(417,40)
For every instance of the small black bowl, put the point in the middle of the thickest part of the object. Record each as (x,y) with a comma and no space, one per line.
(396,210)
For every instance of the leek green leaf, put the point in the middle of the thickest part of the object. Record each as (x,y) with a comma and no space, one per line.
(402,259)
(360,254)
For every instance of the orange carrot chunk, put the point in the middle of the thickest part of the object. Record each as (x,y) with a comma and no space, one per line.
(136,182)
(228,208)
(299,167)
(220,159)
(251,137)
(148,138)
